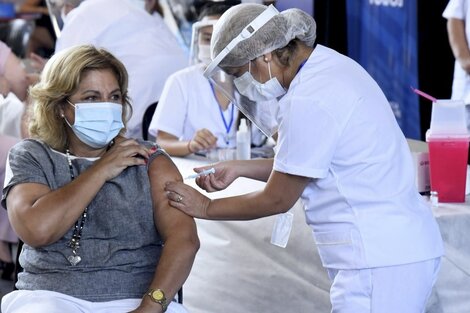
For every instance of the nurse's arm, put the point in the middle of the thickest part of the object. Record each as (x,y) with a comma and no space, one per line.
(279,195)
(458,42)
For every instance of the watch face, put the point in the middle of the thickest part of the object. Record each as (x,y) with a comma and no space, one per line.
(158,295)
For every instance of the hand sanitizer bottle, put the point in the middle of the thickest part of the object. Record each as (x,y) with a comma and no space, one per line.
(243,141)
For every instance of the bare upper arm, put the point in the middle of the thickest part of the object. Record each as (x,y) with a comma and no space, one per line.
(167,218)
(20,201)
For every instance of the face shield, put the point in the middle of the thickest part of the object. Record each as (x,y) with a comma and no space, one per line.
(263,111)
(200,42)
(54,7)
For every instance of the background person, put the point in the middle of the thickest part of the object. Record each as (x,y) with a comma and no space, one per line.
(144,44)
(89,204)
(178,125)
(372,228)
(13,88)
(43,37)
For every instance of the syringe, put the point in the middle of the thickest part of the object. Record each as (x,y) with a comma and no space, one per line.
(203,173)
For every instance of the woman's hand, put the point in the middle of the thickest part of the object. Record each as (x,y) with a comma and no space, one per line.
(203,140)
(123,153)
(225,174)
(187,199)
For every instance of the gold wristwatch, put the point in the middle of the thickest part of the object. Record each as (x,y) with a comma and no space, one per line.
(158,296)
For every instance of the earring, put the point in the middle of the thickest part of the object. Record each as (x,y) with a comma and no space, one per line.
(62,115)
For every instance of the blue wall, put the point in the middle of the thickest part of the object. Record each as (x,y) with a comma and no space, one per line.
(382,37)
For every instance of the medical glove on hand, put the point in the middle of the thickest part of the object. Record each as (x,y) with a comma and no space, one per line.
(225,174)
(187,199)
(203,140)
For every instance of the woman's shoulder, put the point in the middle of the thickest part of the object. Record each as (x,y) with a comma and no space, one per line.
(31,145)
(31,151)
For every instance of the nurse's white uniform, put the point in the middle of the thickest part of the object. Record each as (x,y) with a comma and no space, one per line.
(459,9)
(336,126)
(188,104)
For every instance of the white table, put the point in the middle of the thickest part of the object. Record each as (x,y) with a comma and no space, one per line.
(237,269)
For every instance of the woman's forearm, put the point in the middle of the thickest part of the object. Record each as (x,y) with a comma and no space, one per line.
(258,169)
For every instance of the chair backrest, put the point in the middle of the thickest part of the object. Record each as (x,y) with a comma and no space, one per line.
(148,115)
(18,267)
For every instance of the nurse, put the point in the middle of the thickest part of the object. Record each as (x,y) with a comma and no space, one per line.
(339,149)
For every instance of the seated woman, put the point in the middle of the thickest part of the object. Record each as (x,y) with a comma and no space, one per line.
(192,115)
(89,204)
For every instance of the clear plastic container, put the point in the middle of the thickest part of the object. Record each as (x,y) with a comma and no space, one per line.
(448,140)
(448,118)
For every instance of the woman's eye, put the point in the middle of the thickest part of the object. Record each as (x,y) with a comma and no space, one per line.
(91,99)
(116,98)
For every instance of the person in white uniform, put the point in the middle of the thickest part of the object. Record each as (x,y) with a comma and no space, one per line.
(339,149)
(147,48)
(457,13)
(193,116)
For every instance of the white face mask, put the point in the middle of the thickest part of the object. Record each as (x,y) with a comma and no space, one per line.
(256,91)
(204,54)
(97,123)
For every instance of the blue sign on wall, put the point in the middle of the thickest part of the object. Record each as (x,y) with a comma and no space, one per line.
(382,37)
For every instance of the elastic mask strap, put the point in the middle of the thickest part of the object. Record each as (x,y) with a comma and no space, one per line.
(269,70)
(70,103)
(63,116)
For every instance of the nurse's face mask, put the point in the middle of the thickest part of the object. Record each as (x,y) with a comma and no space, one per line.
(200,51)
(96,123)
(257,101)
(256,91)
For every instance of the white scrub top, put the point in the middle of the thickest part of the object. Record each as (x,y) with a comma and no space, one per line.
(459,9)
(143,43)
(11,112)
(188,104)
(336,127)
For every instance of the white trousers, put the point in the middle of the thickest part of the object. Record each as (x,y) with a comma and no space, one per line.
(43,301)
(393,289)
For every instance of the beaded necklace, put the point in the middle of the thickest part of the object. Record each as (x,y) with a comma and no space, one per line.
(74,242)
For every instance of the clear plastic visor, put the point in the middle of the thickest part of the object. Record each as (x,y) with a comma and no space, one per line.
(200,38)
(263,114)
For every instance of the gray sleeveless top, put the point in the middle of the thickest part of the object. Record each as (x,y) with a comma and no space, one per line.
(120,246)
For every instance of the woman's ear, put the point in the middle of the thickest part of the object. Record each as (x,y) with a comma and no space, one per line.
(267,57)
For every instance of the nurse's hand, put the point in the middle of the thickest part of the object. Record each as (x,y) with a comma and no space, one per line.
(225,174)
(203,140)
(187,199)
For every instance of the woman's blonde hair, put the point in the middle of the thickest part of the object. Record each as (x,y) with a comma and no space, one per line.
(59,80)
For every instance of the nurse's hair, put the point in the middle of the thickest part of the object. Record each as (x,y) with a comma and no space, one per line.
(60,79)
(288,27)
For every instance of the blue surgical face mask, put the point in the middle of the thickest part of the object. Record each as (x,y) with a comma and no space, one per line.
(97,123)
(256,91)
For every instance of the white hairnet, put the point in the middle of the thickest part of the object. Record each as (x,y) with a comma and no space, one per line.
(275,34)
